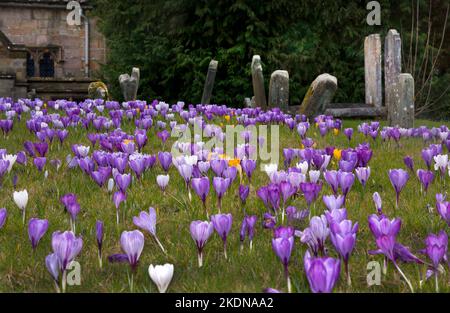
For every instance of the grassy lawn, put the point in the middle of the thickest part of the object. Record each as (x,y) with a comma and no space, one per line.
(22,270)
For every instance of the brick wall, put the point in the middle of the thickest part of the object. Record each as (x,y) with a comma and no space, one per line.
(35,27)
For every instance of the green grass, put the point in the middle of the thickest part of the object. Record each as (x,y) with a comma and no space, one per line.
(23,271)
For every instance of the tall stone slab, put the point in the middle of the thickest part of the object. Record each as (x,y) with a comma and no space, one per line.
(279,90)
(130,84)
(403,115)
(392,70)
(258,82)
(372,70)
(209,82)
(319,95)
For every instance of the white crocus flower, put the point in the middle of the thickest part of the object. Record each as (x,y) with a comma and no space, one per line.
(441,162)
(161,275)
(21,200)
(303,167)
(163,181)
(191,160)
(270,169)
(314,176)
(110,184)
(12,159)
(83,150)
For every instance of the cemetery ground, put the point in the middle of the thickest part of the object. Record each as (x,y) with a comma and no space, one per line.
(21,269)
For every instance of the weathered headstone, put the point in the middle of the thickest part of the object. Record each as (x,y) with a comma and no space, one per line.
(258,82)
(279,90)
(319,95)
(247,102)
(403,113)
(130,84)
(209,82)
(372,70)
(392,70)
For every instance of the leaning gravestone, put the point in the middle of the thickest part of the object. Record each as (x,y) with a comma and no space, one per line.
(392,70)
(279,90)
(319,95)
(209,82)
(372,70)
(403,114)
(130,84)
(258,82)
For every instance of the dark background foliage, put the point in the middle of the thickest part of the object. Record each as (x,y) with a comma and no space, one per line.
(172,42)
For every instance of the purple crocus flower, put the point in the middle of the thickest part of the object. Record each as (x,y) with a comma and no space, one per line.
(348,133)
(363,174)
(53,266)
(248,166)
(243,193)
(443,208)
(269,221)
(398,178)
(248,228)
(425,178)
(147,221)
(66,246)
(343,237)
(122,181)
(41,148)
(437,247)
(132,243)
(39,162)
(409,162)
(36,230)
(331,177)
(201,188)
(382,226)
(437,250)
(282,246)
(200,232)
(99,233)
(72,206)
(333,202)
(3,215)
(316,234)
(137,164)
(118,197)
(220,186)
(427,156)
(322,273)
(218,166)
(165,159)
(222,224)
(310,191)
(378,204)
(346,181)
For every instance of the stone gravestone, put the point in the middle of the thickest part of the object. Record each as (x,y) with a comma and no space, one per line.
(247,103)
(403,114)
(258,82)
(319,95)
(130,84)
(372,70)
(392,70)
(279,90)
(209,82)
